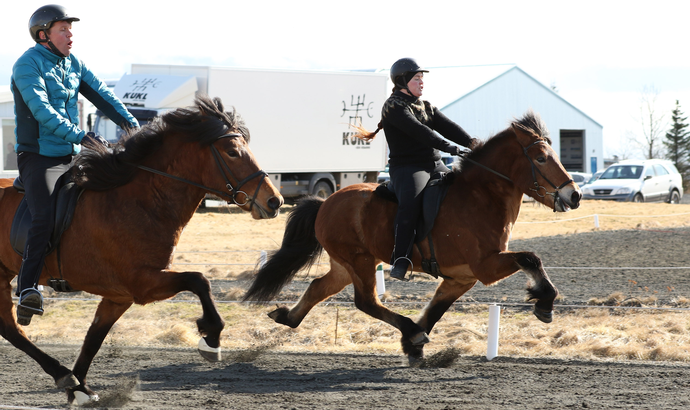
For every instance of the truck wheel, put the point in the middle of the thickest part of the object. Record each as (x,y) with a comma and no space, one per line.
(638,198)
(322,190)
(674,198)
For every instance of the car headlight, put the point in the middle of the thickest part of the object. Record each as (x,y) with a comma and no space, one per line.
(588,191)
(623,191)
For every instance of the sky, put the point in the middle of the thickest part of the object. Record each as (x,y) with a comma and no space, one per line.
(600,55)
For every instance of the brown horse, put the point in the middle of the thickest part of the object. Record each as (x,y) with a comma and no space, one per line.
(139,196)
(470,236)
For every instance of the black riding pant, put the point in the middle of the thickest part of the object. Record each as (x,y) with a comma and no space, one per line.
(40,175)
(408,182)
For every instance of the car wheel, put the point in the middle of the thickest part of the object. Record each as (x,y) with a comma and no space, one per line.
(322,190)
(638,198)
(674,198)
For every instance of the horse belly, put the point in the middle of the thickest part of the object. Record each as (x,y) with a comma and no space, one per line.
(9,201)
(355,220)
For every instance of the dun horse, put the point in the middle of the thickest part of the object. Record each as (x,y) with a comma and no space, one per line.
(138,198)
(470,236)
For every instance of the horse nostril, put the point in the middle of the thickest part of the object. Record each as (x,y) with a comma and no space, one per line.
(575,197)
(275,203)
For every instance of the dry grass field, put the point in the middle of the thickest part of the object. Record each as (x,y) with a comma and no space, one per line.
(224,244)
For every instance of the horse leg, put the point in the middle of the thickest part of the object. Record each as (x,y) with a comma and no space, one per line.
(540,288)
(107,314)
(363,272)
(447,292)
(15,335)
(319,289)
(166,284)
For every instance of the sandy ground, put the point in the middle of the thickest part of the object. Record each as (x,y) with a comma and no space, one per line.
(137,378)
(172,378)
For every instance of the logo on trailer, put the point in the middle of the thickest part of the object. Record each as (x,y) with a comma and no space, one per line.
(355,112)
(138,89)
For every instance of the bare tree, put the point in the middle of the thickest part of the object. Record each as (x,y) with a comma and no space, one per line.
(652,122)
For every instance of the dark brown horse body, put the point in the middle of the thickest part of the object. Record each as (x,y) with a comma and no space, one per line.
(121,240)
(470,236)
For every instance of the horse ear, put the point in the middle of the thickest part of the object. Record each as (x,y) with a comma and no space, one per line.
(523,134)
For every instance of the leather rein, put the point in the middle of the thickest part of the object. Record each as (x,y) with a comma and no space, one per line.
(537,188)
(233,192)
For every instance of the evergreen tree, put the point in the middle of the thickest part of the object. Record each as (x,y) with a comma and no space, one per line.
(678,144)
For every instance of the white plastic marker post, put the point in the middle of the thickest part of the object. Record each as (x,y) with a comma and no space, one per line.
(380,283)
(492,336)
(596,220)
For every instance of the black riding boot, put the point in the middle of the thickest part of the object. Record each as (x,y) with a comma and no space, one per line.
(400,260)
(399,269)
(30,299)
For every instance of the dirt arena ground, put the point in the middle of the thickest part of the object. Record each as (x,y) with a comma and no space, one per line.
(137,378)
(178,378)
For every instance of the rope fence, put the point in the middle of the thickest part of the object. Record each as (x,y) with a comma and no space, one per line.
(596,218)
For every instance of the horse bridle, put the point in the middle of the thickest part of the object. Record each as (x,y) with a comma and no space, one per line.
(233,192)
(537,188)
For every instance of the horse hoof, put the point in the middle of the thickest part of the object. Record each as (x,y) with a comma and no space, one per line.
(212,354)
(67,381)
(82,398)
(545,316)
(280,316)
(413,360)
(81,395)
(419,339)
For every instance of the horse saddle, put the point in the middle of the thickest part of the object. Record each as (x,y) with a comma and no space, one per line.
(66,203)
(433,195)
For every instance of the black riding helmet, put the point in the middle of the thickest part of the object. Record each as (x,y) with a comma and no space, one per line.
(403,70)
(43,19)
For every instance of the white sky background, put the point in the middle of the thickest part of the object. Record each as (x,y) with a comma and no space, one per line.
(600,54)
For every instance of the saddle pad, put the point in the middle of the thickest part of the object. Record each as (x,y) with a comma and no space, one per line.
(434,193)
(66,204)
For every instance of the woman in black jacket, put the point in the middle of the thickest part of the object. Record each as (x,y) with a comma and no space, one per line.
(409,124)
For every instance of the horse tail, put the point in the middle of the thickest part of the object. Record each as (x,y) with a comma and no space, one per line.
(299,249)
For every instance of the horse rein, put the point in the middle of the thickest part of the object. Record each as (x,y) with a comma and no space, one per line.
(537,188)
(233,192)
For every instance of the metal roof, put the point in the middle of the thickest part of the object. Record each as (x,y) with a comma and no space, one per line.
(444,86)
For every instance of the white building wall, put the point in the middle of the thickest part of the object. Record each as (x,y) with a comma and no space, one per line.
(490,108)
(6,133)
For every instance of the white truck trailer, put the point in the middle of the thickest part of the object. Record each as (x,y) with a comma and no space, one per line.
(299,120)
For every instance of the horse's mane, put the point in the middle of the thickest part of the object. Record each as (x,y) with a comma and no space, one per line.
(101,169)
(530,120)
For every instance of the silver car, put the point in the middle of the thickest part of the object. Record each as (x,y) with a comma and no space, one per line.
(651,180)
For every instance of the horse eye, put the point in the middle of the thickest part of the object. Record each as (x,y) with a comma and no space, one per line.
(233,153)
(541,160)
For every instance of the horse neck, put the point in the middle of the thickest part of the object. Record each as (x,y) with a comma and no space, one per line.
(165,199)
(504,160)
(504,157)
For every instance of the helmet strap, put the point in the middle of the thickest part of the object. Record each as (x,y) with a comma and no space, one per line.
(54,49)
(50,44)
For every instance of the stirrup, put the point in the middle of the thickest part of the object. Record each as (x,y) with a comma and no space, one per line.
(30,303)
(398,272)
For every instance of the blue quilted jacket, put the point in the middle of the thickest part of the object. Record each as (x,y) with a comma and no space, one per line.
(45,89)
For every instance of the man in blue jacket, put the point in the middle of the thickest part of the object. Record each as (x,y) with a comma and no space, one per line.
(46,81)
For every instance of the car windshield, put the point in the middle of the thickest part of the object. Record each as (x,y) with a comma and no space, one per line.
(622,172)
(594,177)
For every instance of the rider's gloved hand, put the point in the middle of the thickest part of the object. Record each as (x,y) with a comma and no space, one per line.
(94,139)
(459,152)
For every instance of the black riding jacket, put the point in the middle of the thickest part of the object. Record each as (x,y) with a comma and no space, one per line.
(409,124)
